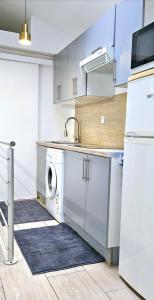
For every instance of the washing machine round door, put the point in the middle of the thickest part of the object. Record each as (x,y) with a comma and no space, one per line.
(51,180)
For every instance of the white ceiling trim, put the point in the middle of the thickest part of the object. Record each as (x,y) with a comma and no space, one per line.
(26,59)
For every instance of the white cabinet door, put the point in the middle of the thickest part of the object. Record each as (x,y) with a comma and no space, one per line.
(140,106)
(137,217)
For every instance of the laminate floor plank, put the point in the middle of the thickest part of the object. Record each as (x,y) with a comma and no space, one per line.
(31,225)
(91,282)
(77,286)
(123,294)
(63,272)
(51,223)
(106,276)
(19,284)
(2,295)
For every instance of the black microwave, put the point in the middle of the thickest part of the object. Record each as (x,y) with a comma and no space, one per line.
(143,46)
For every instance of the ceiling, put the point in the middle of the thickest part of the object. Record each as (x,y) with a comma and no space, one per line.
(71,16)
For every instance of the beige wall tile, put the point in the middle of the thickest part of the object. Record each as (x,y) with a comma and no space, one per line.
(111,133)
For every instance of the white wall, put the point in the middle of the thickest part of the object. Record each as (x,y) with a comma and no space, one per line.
(46,38)
(19,122)
(27,114)
(52,117)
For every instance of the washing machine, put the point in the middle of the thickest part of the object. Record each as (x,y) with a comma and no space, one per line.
(54,182)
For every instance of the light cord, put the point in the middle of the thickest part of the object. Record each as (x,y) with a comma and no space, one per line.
(25,11)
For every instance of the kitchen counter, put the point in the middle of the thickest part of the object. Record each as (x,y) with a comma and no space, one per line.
(87,149)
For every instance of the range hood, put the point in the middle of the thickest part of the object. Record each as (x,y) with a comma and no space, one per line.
(99,69)
(101,59)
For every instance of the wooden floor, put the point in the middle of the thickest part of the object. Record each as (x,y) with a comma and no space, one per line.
(97,281)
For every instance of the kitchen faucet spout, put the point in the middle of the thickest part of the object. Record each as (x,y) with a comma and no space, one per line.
(77,137)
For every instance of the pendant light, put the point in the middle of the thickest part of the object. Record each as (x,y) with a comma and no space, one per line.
(25,36)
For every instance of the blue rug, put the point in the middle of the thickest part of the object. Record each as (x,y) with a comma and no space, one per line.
(53,248)
(26,211)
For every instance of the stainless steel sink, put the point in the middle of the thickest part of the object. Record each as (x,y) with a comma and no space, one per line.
(67,143)
(61,142)
(80,145)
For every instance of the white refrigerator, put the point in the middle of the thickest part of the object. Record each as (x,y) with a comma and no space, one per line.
(136,264)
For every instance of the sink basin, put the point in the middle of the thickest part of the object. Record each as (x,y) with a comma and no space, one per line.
(92,147)
(81,146)
(61,142)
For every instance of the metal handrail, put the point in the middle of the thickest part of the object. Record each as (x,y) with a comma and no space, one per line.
(2,156)
(3,197)
(4,180)
(9,202)
(10,144)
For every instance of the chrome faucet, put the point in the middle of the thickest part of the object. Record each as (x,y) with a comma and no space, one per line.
(77,137)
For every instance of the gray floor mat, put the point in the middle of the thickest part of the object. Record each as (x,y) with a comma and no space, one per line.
(26,211)
(53,248)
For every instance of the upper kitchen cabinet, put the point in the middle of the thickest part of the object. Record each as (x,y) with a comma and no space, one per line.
(83,46)
(60,76)
(76,80)
(101,34)
(102,69)
(129,18)
(69,81)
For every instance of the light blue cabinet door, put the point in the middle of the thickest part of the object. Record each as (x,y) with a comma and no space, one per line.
(60,76)
(76,79)
(74,187)
(101,34)
(97,199)
(128,20)
(41,168)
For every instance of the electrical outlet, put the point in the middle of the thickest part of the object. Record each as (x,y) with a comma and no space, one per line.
(102,119)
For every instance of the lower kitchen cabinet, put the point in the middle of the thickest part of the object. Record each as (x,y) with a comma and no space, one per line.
(92,200)
(41,166)
(97,198)
(74,187)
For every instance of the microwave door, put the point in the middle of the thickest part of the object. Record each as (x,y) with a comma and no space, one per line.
(143,46)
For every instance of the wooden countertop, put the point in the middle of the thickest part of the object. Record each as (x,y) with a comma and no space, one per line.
(98,151)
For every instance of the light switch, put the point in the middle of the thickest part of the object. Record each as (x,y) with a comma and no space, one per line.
(102,119)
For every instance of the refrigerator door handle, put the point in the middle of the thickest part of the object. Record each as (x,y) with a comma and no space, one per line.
(131,133)
(150,95)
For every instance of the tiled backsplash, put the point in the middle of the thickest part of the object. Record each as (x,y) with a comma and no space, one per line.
(109,134)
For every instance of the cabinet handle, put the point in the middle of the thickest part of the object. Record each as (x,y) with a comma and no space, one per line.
(73,86)
(76,87)
(83,169)
(99,48)
(87,169)
(151,93)
(114,70)
(59,92)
